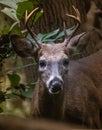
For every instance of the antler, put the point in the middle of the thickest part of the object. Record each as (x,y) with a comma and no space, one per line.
(77,18)
(27,19)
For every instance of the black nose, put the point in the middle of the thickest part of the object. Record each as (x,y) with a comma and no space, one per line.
(56,86)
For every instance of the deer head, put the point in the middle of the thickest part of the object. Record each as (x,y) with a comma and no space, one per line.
(53,59)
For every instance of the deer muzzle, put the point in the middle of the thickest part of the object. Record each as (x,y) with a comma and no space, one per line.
(55,86)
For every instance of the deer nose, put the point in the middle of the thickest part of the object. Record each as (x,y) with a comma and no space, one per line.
(56,86)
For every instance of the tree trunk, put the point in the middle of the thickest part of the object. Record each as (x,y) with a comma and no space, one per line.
(54,14)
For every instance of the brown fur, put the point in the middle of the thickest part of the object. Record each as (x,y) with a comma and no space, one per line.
(81,97)
(88,44)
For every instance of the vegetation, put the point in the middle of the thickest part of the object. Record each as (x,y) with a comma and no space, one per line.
(15,11)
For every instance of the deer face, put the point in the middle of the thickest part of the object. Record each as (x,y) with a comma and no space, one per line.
(53,65)
(52,60)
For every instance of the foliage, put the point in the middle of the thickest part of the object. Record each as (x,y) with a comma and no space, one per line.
(53,36)
(16,89)
(5,48)
(15,10)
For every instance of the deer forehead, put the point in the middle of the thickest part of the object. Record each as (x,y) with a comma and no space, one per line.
(53,51)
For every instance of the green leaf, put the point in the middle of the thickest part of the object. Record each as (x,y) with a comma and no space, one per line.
(30,85)
(49,35)
(61,34)
(14,79)
(38,15)
(11,3)
(11,95)
(11,13)
(15,29)
(22,7)
(28,94)
(40,36)
(13,25)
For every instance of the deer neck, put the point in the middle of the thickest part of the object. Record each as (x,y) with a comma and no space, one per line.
(50,105)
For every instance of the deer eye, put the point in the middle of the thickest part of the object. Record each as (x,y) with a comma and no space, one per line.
(42,63)
(65,62)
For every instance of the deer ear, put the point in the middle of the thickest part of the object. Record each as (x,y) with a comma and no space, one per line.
(22,46)
(77,44)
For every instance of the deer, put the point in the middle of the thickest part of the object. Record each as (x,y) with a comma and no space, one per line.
(66,89)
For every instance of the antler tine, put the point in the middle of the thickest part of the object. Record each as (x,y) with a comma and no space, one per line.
(65,33)
(77,18)
(27,19)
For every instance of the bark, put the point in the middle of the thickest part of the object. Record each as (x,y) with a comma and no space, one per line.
(54,14)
